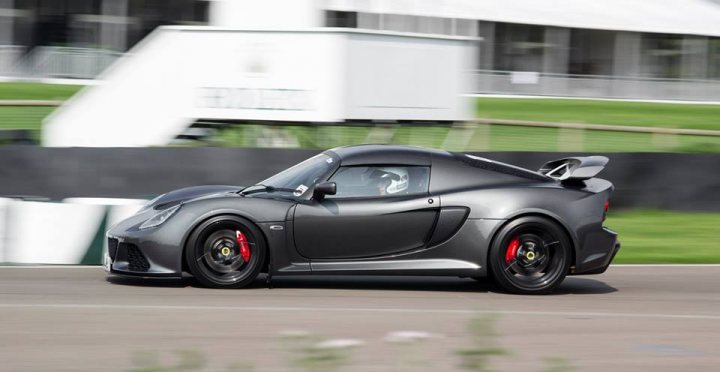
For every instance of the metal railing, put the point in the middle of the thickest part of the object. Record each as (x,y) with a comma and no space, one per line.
(55,62)
(88,63)
(477,135)
(9,57)
(481,134)
(593,86)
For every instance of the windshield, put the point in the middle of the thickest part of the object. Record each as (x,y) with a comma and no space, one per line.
(301,176)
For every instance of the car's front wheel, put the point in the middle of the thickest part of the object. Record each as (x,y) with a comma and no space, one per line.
(530,255)
(225,252)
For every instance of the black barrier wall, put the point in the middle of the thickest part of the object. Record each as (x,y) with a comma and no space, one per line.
(642,180)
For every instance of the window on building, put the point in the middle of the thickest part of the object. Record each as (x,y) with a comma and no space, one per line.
(104,24)
(466,27)
(519,47)
(661,55)
(434,25)
(714,58)
(334,18)
(591,52)
(370,21)
(399,22)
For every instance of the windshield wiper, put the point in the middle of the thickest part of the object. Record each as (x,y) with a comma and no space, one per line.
(253,189)
(263,188)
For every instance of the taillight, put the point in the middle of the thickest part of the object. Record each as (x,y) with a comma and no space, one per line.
(605,209)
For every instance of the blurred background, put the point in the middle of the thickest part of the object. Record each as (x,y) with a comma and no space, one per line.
(96,95)
(105,104)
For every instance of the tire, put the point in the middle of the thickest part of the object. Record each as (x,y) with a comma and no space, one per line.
(530,255)
(214,253)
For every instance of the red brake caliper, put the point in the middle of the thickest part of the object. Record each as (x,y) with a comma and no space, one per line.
(243,244)
(512,249)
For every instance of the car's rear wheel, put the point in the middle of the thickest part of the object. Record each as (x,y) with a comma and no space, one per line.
(225,252)
(530,255)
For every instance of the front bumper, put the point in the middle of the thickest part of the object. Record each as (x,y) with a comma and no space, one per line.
(135,257)
(154,252)
(597,252)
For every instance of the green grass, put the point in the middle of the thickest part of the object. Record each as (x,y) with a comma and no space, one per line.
(667,115)
(17,117)
(512,138)
(30,117)
(37,91)
(494,138)
(666,237)
(482,138)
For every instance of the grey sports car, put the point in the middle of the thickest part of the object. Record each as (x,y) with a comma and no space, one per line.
(380,210)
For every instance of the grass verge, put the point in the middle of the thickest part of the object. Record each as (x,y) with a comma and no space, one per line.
(23,117)
(653,236)
(666,115)
(495,138)
(37,91)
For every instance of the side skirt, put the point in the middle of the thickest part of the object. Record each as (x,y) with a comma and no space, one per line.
(398,267)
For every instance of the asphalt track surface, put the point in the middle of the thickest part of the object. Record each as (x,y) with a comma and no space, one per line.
(632,318)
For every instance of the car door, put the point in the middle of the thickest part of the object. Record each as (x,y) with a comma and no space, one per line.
(377,210)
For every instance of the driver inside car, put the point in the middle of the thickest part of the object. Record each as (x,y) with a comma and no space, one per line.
(391,180)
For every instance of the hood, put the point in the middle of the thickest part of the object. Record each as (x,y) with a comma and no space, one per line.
(178,196)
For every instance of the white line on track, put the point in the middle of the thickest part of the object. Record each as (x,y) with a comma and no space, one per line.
(664,265)
(479,95)
(100,267)
(358,310)
(51,267)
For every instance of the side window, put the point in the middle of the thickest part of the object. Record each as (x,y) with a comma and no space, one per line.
(379,181)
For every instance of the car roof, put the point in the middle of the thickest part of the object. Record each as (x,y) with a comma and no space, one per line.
(386,154)
(412,155)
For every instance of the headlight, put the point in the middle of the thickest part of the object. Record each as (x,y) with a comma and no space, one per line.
(160,218)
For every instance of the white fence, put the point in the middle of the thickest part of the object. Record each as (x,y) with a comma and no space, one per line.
(54,62)
(9,57)
(88,63)
(594,86)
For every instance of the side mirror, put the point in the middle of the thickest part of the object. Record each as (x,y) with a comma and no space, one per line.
(324,188)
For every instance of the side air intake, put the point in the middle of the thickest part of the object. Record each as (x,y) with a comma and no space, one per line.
(576,168)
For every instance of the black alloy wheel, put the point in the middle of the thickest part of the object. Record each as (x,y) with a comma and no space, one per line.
(530,255)
(226,252)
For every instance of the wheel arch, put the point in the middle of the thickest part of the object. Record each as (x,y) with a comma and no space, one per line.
(536,213)
(203,219)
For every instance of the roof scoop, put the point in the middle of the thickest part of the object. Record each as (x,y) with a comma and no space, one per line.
(575,168)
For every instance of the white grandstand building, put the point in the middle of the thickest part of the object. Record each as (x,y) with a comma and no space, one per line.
(639,49)
(642,49)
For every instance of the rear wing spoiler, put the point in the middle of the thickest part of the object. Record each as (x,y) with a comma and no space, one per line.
(576,168)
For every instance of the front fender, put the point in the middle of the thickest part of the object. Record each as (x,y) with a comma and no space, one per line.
(166,242)
(262,212)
